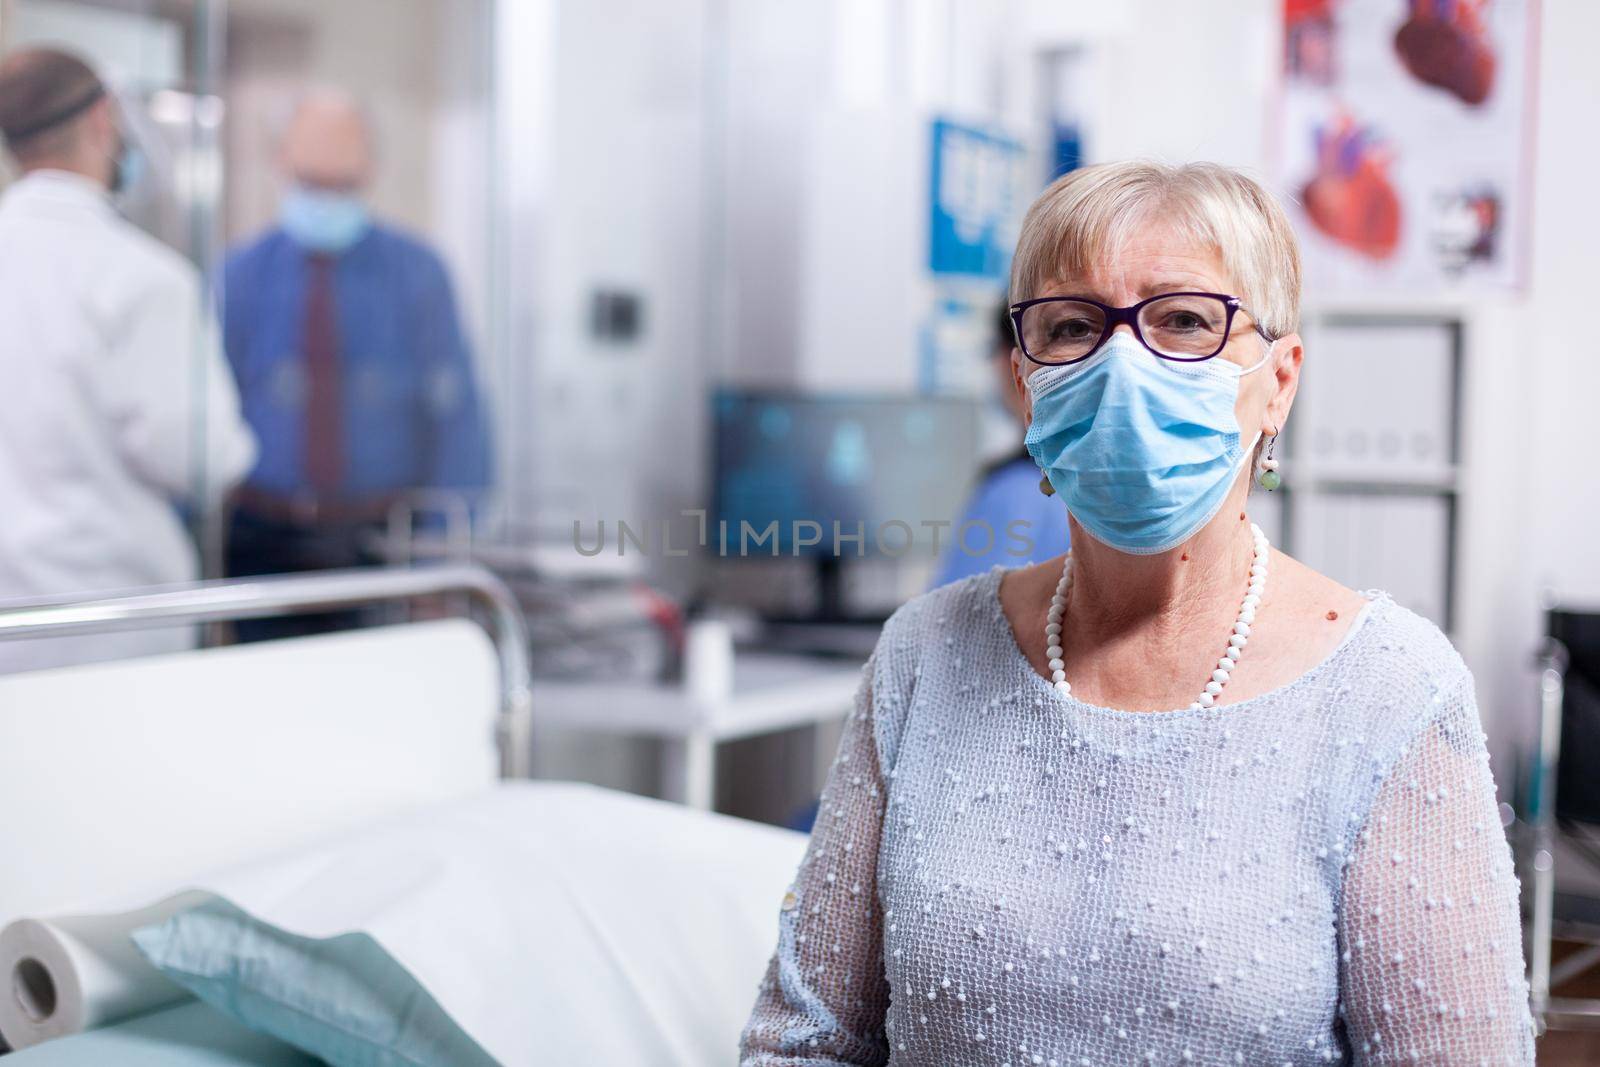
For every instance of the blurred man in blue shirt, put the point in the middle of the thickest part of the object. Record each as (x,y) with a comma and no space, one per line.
(1008,490)
(350,358)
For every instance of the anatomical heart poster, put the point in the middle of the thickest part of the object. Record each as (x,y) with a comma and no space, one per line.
(1403,141)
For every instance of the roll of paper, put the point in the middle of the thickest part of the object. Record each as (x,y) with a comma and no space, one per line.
(66,975)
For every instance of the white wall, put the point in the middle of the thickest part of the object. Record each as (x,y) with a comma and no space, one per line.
(1550,509)
(1555,347)
(601,126)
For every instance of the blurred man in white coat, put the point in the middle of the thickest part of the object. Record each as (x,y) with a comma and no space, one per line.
(116,406)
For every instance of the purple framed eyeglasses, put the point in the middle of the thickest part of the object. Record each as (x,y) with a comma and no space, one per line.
(1183,327)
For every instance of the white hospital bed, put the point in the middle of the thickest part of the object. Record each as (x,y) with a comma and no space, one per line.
(121,782)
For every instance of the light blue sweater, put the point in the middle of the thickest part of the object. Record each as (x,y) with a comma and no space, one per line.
(1004,875)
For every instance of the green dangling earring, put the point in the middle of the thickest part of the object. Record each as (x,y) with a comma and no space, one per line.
(1045,487)
(1267,475)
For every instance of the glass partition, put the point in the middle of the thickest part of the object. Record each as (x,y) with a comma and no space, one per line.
(317,374)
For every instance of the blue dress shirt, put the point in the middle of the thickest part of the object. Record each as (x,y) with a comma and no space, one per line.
(412,414)
(1009,493)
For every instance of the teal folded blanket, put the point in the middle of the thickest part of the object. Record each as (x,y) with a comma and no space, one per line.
(344,998)
(189,1035)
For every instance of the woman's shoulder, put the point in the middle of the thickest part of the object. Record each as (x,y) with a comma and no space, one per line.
(1387,646)
(938,609)
(1400,679)
(1399,645)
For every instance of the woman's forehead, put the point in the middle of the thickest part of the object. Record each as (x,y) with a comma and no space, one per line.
(1145,259)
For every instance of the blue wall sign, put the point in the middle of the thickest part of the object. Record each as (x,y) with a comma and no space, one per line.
(974,179)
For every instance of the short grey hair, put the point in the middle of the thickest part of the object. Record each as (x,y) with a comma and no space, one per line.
(1085,216)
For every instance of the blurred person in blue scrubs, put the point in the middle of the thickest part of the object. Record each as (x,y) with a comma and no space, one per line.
(351,362)
(119,411)
(1007,492)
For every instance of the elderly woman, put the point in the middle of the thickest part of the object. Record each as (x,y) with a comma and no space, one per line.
(1175,797)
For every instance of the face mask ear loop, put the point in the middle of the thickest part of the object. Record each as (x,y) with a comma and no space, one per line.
(1272,344)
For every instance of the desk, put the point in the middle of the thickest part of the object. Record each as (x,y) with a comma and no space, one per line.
(771,692)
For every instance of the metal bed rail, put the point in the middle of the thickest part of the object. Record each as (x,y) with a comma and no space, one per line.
(298,594)
(1551,1012)
(1543,825)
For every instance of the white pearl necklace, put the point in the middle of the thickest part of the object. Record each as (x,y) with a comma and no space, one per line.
(1230,655)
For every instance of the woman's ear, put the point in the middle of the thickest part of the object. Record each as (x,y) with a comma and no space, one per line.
(1287,354)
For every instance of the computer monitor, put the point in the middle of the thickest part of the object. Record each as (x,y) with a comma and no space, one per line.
(792,465)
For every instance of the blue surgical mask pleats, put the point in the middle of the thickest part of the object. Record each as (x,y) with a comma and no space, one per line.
(1143,451)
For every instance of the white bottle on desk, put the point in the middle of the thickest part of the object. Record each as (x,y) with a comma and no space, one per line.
(708,661)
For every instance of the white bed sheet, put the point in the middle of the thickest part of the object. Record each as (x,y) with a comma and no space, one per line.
(558,923)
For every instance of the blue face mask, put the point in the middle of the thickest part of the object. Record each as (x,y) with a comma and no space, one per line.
(1142,450)
(322,220)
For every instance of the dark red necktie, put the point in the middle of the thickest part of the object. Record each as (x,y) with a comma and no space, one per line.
(324,413)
